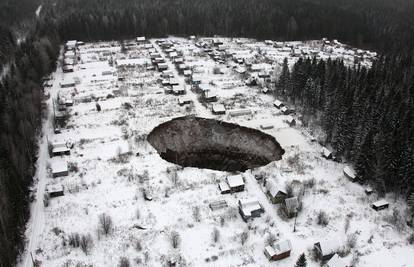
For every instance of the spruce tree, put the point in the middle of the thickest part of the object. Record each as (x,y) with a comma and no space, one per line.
(301,262)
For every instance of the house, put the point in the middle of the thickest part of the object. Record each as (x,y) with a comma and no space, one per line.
(380,205)
(291,121)
(326,153)
(67,68)
(178,90)
(184,101)
(224,188)
(336,261)
(285,110)
(162,66)
(236,183)
(278,104)
(55,190)
(278,251)
(369,191)
(239,112)
(349,172)
(250,208)
(326,249)
(71,45)
(141,39)
(275,195)
(67,83)
(266,126)
(204,87)
(219,204)
(209,96)
(174,82)
(59,149)
(218,109)
(187,73)
(59,168)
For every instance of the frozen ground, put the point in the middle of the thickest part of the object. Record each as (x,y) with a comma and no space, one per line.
(105,178)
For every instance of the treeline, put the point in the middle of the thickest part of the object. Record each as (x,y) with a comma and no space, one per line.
(376,24)
(366,114)
(20,112)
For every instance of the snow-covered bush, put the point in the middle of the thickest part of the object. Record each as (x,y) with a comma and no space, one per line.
(175,239)
(74,240)
(243,237)
(124,262)
(322,218)
(86,243)
(105,224)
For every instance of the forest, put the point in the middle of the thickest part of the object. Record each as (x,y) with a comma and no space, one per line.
(366,115)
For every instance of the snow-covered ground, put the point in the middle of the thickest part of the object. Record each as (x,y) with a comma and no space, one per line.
(101,181)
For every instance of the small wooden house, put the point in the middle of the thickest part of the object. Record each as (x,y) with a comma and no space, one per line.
(369,191)
(55,190)
(60,148)
(249,209)
(184,101)
(380,205)
(326,153)
(275,195)
(326,249)
(278,251)
(236,183)
(210,96)
(291,121)
(266,126)
(162,66)
(278,104)
(224,188)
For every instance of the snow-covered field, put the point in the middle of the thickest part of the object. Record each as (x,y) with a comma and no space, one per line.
(111,164)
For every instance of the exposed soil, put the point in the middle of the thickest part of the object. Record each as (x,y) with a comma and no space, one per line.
(207,143)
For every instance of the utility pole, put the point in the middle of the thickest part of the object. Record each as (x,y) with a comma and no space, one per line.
(296,216)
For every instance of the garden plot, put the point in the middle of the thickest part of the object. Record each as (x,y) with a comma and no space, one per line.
(121,199)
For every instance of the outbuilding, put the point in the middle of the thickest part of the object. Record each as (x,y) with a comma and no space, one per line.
(380,205)
(336,261)
(55,190)
(326,249)
(266,126)
(239,112)
(60,148)
(350,173)
(218,109)
(184,101)
(219,204)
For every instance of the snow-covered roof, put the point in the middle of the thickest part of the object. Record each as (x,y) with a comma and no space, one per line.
(219,108)
(326,152)
(350,172)
(249,205)
(54,188)
(59,166)
(329,246)
(141,38)
(235,181)
(282,247)
(224,187)
(380,203)
(270,251)
(271,187)
(277,103)
(336,261)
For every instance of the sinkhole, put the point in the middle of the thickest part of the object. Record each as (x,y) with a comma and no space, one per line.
(211,144)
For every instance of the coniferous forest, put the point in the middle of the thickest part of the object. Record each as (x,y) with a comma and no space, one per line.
(366,115)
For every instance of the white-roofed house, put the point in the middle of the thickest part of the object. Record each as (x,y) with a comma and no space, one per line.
(55,190)
(59,168)
(236,183)
(60,148)
(250,208)
(326,249)
(350,173)
(218,109)
(380,205)
(278,250)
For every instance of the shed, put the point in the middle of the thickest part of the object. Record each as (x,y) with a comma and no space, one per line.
(278,251)
(187,73)
(59,168)
(224,188)
(250,209)
(67,83)
(266,126)
(380,205)
(55,190)
(178,90)
(336,261)
(162,66)
(326,153)
(239,112)
(219,204)
(141,39)
(278,104)
(236,183)
(349,172)
(275,195)
(369,191)
(210,96)
(218,109)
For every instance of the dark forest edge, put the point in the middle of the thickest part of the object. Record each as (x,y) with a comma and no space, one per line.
(366,114)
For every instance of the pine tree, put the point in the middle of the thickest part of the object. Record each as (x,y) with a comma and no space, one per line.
(301,262)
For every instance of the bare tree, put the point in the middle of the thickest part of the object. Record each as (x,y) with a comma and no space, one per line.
(124,262)
(243,237)
(105,223)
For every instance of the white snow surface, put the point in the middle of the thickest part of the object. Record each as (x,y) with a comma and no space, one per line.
(103,183)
